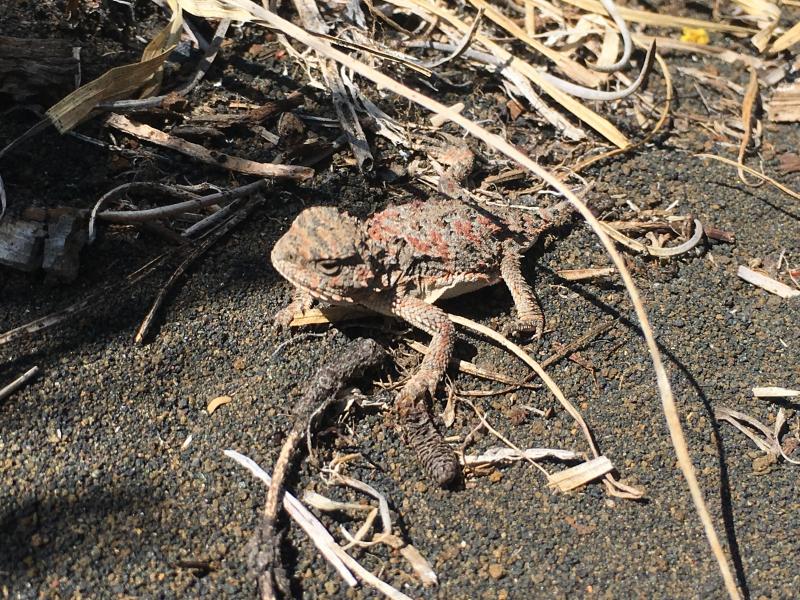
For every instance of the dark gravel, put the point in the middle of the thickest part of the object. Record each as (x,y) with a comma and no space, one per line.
(101,497)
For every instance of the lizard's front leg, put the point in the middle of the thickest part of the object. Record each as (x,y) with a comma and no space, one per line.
(301,301)
(435,455)
(433,321)
(530,318)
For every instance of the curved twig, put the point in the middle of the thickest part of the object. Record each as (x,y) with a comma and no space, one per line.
(461,47)
(585,93)
(162,212)
(650,135)
(653,251)
(118,191)
(747,121)
(627,44)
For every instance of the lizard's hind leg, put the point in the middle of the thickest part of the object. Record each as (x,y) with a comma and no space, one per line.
(436,456)
(530,319)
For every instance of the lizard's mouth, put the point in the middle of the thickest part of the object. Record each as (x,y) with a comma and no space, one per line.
(311,283)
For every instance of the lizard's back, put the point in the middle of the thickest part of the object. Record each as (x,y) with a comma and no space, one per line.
(440,248)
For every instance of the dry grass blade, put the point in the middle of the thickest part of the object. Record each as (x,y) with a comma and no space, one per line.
(787,40)
(313,528)
(753,172)
(329,314)
(662,119)
(213,8)
(588,116)
(750,427)
(468,367)
(116,83)
(661,20)
(567,65)
(575,477)
(600,95)
(613,12)
(211,157)
(747,122)
(622,491)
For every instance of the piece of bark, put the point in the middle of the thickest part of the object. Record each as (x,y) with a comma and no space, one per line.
(66,236)
(21,244)
(784,106)
(35,67)
(212,157)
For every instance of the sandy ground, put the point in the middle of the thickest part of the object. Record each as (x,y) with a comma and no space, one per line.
(101,494)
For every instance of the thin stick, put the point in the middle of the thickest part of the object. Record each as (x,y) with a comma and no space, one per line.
(55,318)
(202,69)
(211,157)
(308,522)
(747,123)
(127,217)
(2,199)
(360,355)
(18,383)
(753,172)
(121,190)
(461,46)
(651,134)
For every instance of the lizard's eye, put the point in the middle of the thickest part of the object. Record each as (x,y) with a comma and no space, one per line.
(330,267)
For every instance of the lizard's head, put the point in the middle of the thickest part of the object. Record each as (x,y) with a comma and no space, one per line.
(325,253)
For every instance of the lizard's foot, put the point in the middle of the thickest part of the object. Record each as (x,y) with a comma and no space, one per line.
(525,329)
(436,457)
(300,303)
(283,318)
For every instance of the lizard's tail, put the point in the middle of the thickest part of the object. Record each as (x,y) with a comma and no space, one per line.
(559,214)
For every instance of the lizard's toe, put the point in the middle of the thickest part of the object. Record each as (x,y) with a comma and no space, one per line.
(526,329)
(282,319)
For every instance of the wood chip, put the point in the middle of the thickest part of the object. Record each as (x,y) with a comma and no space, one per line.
(583,274)
(21,244)
(499,454)
(775,392)
(216,403)
(582,474)
(767,283)
(785,104)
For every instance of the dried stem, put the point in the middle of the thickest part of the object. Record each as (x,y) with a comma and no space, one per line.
(360,355)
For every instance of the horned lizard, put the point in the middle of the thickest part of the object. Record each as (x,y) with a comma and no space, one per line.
(401,260)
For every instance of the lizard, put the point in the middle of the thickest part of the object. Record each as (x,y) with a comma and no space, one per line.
(400,261)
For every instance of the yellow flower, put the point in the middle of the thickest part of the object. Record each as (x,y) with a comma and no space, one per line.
(695,36)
